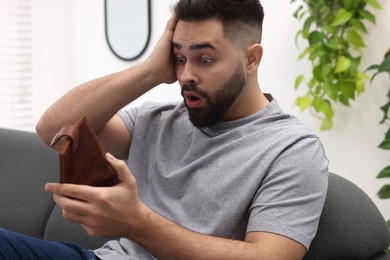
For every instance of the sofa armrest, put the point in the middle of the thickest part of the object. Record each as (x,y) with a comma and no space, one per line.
(351,226)
(26,164)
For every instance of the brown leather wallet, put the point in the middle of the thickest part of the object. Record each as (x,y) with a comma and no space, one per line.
(82,157)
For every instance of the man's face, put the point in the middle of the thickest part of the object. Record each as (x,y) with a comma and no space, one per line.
(209,69)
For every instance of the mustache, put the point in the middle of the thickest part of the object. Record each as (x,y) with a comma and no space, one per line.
(191,86)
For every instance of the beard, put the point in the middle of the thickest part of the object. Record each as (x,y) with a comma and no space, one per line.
(216,107)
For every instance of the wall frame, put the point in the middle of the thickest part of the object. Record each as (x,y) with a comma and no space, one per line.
(127,27)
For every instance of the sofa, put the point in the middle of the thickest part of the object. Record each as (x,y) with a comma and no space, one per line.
(351,226)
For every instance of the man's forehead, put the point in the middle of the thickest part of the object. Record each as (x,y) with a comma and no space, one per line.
(198,34)
(214,22)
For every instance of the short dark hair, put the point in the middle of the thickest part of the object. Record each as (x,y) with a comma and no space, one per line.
(236,15)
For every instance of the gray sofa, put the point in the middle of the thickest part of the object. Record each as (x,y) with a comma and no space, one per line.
(351,227)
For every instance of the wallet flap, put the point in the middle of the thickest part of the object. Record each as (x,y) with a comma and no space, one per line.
(82,157)
(70,131)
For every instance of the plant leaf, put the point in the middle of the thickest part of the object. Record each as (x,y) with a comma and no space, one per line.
(304,53)
(342,17)
(333,43)
(347,89)
(385,173)
(315,37)
(344,100)
(373,67)
(326,69)
(308,22)
(312,83)
(343,64)
(348,4)
(356,39)
(353,69)
(368,16)
(360,86)
(387,135)
(317,73)
(323,106)
(359,25)
(296,13)
(306,26)
(317,53)
(385,145)
(298,81)
(374,3)
(326,124)
(385,109)
(384,192)
(297,38)
(331,90)
(385,65)
(303,102)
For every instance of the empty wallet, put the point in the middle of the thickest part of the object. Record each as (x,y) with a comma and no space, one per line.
(82,157)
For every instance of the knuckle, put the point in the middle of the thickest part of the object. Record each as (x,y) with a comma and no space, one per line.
(90,231)
(103,197)
(133,181)
(122,164)
(66,215)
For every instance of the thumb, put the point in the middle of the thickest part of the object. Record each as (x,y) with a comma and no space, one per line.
(123,172)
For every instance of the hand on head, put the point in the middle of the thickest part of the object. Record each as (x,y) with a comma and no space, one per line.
(161,62)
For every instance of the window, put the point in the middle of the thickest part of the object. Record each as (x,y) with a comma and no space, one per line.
(16,75)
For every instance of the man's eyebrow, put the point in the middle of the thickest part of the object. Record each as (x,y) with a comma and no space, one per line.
(176,45)
(197,46)
(200,46)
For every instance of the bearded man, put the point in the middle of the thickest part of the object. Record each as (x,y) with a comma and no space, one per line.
(223,174)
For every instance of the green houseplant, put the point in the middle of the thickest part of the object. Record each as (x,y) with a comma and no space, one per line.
(334,32)
(384,67)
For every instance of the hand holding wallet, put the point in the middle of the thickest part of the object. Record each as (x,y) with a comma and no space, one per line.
(82,157)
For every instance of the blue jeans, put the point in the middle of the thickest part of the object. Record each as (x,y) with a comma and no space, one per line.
(17,246)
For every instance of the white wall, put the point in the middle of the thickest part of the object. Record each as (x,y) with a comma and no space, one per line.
(71,48)
(51,34)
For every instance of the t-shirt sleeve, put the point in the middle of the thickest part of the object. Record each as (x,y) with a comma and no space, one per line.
(129,116)
(290,199)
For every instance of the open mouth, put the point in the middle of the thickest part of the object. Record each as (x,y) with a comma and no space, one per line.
(192,99)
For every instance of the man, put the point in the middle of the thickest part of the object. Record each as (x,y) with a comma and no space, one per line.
(225,174)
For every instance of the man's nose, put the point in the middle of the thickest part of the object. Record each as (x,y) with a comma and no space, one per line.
(188,74)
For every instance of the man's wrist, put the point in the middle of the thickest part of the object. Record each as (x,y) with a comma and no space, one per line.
(138,225)
(149,73)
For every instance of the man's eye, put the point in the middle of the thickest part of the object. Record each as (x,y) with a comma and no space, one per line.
(205,61)
(180,60)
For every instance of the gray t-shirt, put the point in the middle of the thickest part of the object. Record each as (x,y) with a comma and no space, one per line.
(267,172)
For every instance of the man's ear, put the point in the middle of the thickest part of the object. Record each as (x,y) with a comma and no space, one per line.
(253,53)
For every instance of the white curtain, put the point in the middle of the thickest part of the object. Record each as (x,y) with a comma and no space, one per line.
(16,75)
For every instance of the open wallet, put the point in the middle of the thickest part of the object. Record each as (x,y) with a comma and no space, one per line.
(82,157)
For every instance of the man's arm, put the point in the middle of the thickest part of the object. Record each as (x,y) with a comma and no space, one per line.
(118,212)
(100,99)
(167,240)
